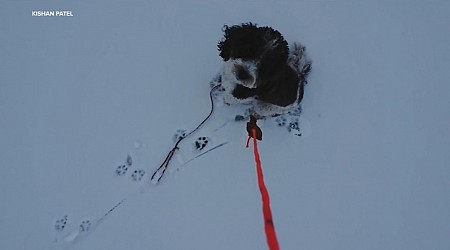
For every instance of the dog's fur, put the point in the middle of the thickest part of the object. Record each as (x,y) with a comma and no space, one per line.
(260,69)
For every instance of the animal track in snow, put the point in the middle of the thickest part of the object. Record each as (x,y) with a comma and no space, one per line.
(201,143)
(85,225)
(138,174)
(61,223)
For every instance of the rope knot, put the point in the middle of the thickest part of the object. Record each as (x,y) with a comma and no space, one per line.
(253,130)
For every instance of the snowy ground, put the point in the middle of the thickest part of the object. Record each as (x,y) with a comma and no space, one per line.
(77,94)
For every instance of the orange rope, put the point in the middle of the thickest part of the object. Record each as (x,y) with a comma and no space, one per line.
(268,221)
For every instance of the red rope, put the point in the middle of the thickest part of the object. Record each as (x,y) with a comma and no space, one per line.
(248,141)
(271,236)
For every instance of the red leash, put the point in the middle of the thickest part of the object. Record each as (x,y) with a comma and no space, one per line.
(268,221)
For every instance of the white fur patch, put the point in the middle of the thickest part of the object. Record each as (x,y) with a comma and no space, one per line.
(229,79)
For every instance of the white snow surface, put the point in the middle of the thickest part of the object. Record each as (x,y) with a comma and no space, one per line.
(77,94)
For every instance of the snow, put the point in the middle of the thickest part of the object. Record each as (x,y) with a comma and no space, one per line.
(78,94)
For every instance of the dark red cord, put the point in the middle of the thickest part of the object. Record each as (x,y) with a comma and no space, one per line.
(171,153)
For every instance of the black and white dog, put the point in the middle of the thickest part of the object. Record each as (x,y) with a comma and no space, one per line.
(259,69)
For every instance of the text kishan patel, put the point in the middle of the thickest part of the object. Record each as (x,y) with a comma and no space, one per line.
(50,13)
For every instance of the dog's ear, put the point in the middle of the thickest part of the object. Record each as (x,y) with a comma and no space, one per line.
(239,41)
(224,45)
(275,53)
(224,49)
(276,43)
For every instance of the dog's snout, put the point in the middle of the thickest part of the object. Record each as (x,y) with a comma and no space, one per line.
(242,74)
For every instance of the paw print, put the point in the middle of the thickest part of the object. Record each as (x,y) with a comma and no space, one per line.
(201,143)
(121,170)
(61,224)
(296,111)
(281,121)
(85,225)
(179,134)
(294,127)
(137,175)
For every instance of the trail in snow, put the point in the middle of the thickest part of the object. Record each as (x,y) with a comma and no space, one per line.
(209,139)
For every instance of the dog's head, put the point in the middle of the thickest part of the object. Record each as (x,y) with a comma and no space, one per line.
(252,54)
